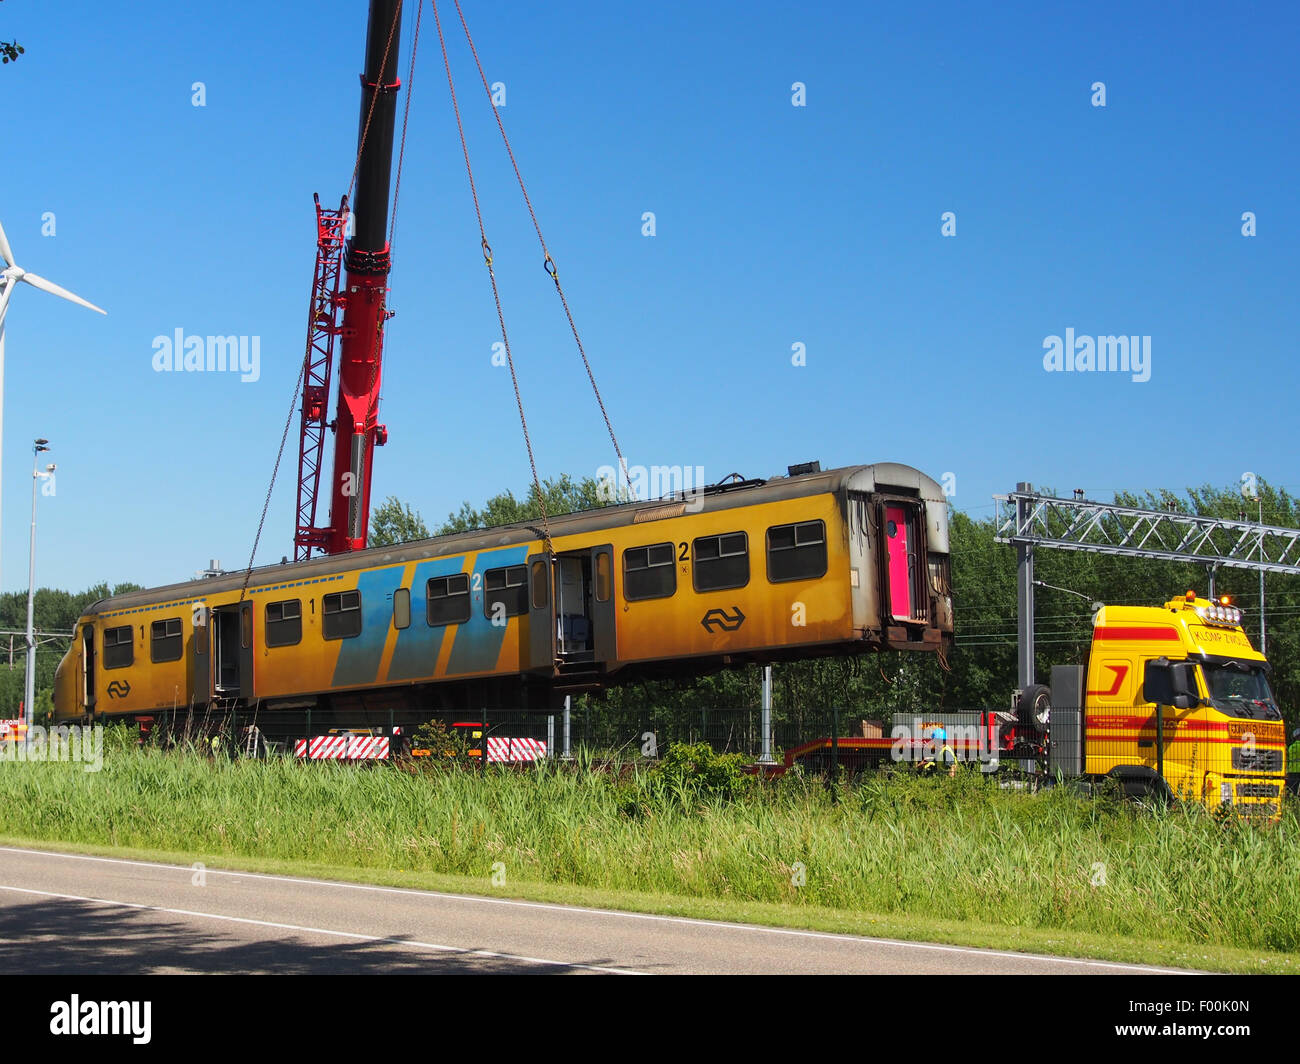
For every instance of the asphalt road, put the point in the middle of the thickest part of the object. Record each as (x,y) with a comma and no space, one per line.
(63,913)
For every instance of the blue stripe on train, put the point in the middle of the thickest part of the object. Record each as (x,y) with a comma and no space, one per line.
(478,641)
(417,647)
(358,661)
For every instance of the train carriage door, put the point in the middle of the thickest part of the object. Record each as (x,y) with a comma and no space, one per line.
(541,615)
(901,563)
(201,657)
(232,644)
(246,649)
(88,667)
(603,615)
(572,606)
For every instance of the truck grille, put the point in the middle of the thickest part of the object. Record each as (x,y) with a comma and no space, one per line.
(1257,790)
(1244,760)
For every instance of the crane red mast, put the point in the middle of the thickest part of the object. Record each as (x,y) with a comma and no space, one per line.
(365,261)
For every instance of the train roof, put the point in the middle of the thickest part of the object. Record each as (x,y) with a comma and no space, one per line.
(882,476)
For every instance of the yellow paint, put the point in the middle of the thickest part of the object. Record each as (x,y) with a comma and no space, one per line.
(646,631)
(1121,726)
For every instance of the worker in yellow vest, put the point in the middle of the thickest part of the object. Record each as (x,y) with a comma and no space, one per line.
(940,752)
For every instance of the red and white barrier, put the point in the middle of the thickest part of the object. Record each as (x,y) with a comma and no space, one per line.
(342,748)
(503,749)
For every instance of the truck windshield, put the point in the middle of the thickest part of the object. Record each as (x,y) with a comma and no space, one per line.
(1241,690)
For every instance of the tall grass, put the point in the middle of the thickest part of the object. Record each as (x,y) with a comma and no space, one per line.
(947,848)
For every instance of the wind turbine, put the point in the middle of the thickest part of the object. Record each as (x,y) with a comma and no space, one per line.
(11,275)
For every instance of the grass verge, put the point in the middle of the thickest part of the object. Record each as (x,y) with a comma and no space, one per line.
(951,861)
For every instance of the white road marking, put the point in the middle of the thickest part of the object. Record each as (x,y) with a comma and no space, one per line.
(324,931)
(551,906)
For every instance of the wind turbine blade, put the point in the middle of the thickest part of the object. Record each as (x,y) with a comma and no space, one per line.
(56,290)
(5,251)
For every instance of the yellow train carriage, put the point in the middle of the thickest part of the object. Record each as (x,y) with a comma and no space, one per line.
(840,561)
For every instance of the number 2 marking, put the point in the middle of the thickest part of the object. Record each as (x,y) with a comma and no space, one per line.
(684,556)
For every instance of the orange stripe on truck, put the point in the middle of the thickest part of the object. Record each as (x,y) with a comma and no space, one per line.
(1117,633)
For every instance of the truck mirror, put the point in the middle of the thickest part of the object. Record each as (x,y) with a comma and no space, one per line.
(1157,683)
(1183,676)
(1168,684)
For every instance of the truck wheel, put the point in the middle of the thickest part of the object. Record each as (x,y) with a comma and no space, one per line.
(1035,708)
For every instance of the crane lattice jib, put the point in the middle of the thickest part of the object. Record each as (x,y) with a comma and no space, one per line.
(1030,519)
(322,328)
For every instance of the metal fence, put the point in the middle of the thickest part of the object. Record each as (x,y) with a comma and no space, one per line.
(840,741)
(598,731)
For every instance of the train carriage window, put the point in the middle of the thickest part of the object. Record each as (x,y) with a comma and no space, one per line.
(448,599)
(602,576)
(541,588)
(796,552)
(284,623)
(119,647)
(508,585)
(721,561)
(649,572)
(402,608)
(341,615)
(166,643)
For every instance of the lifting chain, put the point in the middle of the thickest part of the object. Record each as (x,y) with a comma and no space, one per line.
(496,293)
(548,262)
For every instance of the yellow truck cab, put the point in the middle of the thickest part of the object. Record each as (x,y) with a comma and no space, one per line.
(1174,700)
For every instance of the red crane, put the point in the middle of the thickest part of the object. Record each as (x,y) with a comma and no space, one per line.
(361,304)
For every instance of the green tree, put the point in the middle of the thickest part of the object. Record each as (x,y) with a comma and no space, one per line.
(563,495)
(53,612)
(9,51)
(394,522)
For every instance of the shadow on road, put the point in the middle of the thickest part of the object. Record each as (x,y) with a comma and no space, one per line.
(65,937)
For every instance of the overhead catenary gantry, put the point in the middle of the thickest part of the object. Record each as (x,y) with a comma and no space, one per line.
(1027,519)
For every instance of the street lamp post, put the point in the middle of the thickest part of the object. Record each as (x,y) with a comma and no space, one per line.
(29,706)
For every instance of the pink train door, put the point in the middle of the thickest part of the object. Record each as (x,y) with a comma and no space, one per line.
(900,556)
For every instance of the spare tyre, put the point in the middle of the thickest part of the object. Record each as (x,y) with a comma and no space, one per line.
(1035,706)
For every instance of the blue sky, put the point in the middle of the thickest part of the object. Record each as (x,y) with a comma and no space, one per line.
(775,225)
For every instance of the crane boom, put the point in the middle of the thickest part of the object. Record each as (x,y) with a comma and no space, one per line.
(367,262)
(363,305)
